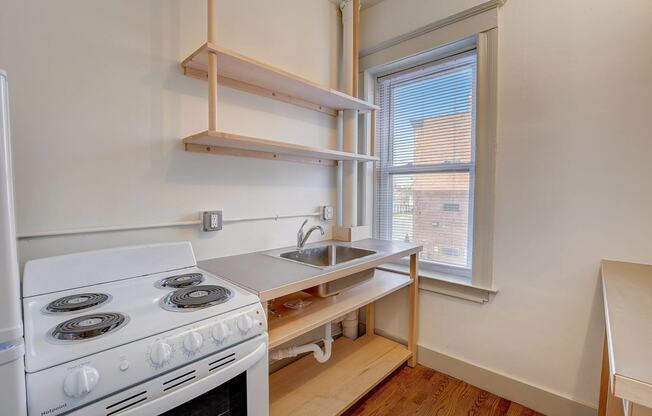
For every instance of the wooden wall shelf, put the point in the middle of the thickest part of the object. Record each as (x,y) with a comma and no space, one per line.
(241,72)
(237,145)
(307,387)
(292,323)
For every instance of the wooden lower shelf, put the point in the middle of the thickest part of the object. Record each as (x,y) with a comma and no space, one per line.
(307,387)
(220,142)
(292,323)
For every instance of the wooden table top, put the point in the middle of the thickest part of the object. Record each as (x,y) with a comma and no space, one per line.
(627,289)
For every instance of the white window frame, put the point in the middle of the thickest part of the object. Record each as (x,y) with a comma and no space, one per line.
(479,287)
(449,63)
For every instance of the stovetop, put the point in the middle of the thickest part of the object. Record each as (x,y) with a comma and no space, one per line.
(67,325)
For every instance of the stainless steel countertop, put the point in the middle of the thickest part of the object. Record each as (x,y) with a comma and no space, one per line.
(271,277)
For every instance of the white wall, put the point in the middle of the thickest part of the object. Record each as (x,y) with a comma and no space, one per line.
(99,106)
(572,186)
(391,18)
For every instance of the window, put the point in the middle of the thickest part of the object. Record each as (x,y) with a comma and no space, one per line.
(435,136)
(426,174)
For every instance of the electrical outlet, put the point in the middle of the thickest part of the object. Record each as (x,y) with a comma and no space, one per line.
(327,213)
(212,220)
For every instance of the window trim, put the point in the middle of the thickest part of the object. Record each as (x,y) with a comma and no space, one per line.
(486,45)
(444,284)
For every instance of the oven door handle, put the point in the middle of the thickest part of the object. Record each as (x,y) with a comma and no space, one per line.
(189,392)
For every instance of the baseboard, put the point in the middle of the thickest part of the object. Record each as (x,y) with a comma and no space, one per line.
(535,398)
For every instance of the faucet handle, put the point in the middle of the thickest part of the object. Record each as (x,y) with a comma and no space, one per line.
(303,225)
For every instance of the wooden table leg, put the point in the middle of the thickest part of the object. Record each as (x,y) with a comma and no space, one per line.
(609,404)
(370,319)
(604,380)
(414,309)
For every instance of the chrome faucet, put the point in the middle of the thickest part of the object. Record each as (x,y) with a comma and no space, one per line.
(301,237)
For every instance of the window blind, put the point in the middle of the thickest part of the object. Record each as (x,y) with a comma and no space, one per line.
(425,176)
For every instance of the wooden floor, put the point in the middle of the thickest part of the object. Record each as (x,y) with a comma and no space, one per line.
(422,391)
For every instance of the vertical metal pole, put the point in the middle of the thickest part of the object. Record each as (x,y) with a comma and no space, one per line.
(349,168)
(212,67)
(356,45)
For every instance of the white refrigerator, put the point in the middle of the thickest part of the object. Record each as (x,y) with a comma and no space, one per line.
(12,373)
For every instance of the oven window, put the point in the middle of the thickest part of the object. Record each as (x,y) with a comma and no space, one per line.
(229,399)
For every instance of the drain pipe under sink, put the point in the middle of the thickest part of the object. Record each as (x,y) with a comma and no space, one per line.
(320,355)
(350,325)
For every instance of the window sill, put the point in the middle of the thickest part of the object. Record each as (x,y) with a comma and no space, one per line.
(445,284)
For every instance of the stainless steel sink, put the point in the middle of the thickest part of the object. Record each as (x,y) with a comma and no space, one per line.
(325,256)
(332,255)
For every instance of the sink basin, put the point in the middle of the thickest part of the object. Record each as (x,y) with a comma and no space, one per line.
(325,256)
(334,287)
(332,255)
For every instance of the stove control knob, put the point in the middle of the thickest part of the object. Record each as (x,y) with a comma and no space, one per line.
(80,381)
(161,353)
(220,332)
(193,342)
(245,323)
(257,324)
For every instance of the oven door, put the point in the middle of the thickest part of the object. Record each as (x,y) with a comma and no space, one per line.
(233,382)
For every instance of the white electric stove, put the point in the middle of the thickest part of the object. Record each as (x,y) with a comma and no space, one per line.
(141,331)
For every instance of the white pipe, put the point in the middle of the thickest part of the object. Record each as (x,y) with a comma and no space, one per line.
(350,325)
(271,217)
(349,215)
(113,228)
(347,46)
(320,355)
(366,169)
(340,170)
(350,171)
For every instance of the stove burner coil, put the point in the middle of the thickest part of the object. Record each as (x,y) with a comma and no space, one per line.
(182,280)
(196,297)
(88,326)
(77,302)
